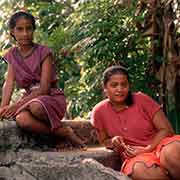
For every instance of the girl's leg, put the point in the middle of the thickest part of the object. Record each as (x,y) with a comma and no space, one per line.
(26,121)
(170,158)
(36,117)
(69,133)
(38,111)
(142,172)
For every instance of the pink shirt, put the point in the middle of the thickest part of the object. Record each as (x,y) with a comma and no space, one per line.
(133,123)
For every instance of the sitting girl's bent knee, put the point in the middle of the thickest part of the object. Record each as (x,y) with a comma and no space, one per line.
(154,172)
(21,119)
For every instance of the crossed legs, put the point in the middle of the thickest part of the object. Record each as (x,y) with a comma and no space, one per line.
(34,118)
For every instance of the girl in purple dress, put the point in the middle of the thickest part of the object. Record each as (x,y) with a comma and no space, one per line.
(31,67)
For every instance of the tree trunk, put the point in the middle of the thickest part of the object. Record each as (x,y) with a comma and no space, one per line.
(164,29)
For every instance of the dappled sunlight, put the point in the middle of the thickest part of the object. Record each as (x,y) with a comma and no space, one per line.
(87,36)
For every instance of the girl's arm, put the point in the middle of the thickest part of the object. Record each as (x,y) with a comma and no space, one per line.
(44,88)
(8,87)
(7,91)
(164,129)
(163,126)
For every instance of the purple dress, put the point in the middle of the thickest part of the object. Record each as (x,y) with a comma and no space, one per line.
(27,75)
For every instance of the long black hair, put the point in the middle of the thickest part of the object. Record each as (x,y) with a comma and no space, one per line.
(117,69)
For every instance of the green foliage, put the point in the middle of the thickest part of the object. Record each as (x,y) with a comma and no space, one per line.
(105,34)
(86,39)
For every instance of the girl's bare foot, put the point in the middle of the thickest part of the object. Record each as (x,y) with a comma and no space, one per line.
(68,132)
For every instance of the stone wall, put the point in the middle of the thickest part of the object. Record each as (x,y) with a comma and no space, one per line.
(28,156)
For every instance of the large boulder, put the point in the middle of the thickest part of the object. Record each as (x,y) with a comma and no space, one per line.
(33,165)
(27,156)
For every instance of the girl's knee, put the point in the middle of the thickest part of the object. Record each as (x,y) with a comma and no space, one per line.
(141,171)
(35,108)
(38,111)
(171,149)
(22,119)
(138,170)
(171,153)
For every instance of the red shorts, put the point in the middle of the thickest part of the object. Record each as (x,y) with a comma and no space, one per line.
(149,159)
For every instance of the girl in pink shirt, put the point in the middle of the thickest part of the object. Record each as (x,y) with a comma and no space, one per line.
(134,125)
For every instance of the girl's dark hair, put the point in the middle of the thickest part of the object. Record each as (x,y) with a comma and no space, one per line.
(117,69)
(20,14)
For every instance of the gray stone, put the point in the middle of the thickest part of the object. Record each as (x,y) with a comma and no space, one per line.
(14,138)
(87,169)
(27,156)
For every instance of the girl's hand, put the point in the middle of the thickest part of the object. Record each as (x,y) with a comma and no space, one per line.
(132,151)
(9,111)
(3,111)
(118,143)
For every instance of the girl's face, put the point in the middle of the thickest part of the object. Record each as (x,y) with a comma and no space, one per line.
(23,31)
(117,88)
